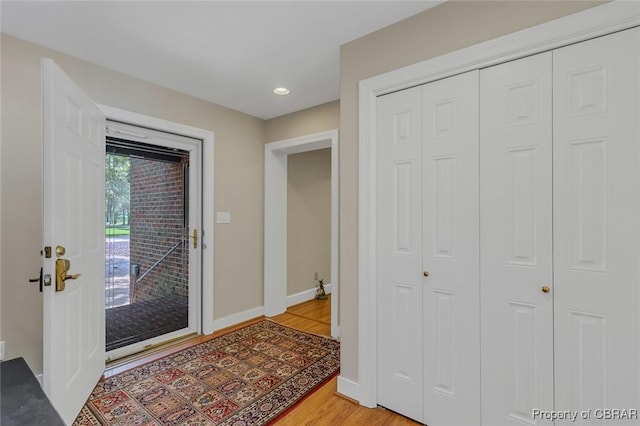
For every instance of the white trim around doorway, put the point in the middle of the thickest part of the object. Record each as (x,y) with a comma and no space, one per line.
(594,22)
(275,220)
(205,308)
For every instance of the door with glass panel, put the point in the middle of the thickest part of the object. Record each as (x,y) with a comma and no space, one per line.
(152,225)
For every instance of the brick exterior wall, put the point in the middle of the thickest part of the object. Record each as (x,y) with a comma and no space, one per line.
(157,224)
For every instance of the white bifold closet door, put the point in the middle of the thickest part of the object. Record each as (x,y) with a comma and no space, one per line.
(597,224)
(427,252)
(399,253)
(560,322)
(450,251)
(516,240)
(508,240)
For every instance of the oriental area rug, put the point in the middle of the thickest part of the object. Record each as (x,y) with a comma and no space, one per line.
(251,376)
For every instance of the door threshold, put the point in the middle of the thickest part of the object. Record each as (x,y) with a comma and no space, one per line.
(147,351)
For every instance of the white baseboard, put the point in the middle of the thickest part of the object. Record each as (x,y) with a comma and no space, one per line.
(2,350)
(348,388)
(39,378)
(306,295)
(294,299)
(208,325)
(234,319)
(335,332)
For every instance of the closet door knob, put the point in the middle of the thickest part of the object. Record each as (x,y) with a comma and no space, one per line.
(425,273)
(545,289)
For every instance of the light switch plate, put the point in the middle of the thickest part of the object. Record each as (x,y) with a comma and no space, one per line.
(223,217)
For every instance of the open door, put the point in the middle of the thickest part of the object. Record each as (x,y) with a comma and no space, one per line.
(73,236)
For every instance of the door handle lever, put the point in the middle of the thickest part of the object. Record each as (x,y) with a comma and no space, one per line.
(195,238)
(62,267)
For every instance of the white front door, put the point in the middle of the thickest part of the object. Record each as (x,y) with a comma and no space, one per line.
(73,219)
(399,253)
(450,251)
(597,225)
(516,240)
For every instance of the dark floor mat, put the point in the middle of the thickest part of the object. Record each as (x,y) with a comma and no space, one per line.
(140,321)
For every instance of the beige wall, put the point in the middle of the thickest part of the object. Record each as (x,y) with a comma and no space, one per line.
(306,122)
(239,175)
(308,219)
(445,28)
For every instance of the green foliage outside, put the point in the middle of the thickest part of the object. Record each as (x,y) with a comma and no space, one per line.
(117,190)
(116,231)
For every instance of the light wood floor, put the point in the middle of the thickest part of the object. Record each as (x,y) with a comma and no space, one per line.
(324,406)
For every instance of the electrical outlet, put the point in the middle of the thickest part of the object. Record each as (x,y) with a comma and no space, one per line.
(315,276)
(2,351)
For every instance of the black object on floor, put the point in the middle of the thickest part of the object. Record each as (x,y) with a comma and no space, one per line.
(140,321)
(22,400)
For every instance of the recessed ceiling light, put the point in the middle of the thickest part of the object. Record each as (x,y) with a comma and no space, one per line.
(281,91)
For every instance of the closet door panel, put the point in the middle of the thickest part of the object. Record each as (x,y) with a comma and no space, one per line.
(399,253)
(450,247)
(516,240)
(596,223)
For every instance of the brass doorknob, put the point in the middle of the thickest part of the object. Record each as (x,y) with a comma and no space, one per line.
(545,289)
(425,273)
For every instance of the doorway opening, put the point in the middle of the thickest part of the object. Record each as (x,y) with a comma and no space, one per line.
(276,300)
(309,234)
(152,220)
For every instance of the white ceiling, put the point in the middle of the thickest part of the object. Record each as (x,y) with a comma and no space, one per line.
(233,53)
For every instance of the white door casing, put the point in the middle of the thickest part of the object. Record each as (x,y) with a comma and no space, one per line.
(73,217)
(275,220)
(597,223)
(399,253)
(207,154)
(450,251)
(516,240)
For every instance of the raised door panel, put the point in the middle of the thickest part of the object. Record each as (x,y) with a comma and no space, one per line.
(596,224)
(399,253)
(450,251)
(516,240)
